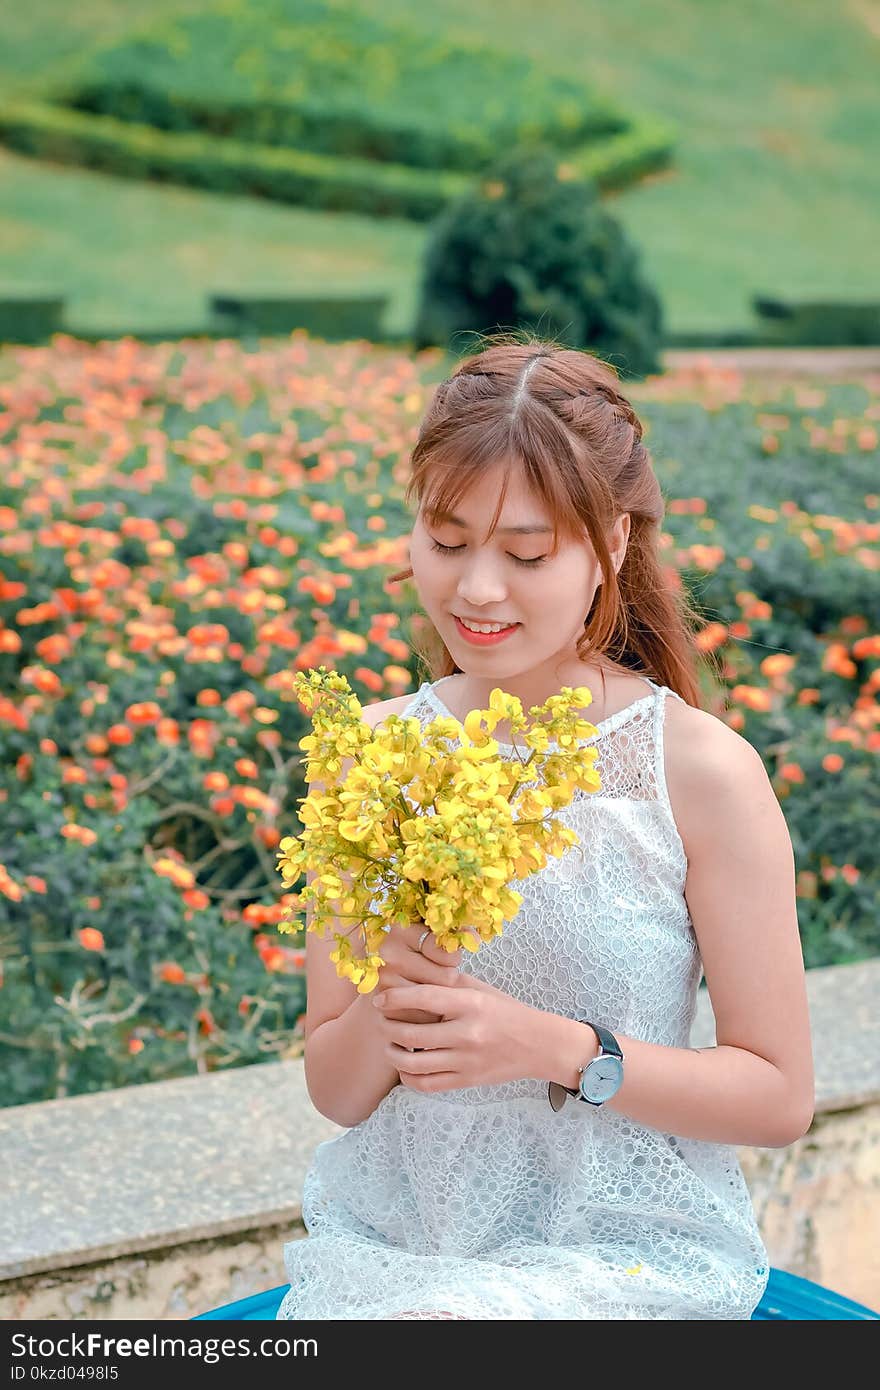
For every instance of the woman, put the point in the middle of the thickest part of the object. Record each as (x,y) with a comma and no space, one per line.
(529,1133)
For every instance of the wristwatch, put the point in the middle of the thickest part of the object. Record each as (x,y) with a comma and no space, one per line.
(600,1078)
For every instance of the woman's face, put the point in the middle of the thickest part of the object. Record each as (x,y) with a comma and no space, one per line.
(507,579)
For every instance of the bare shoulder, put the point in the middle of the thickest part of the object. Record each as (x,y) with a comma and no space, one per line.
(708,766)
(374,714)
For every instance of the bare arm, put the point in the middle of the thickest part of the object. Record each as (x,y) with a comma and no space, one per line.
(347,1069)
(756,1085)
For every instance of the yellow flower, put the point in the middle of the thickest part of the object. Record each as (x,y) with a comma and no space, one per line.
(428,823)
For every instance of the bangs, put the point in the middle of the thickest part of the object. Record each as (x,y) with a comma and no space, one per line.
(445,483)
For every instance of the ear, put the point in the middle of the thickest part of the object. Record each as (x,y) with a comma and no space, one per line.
(619,540)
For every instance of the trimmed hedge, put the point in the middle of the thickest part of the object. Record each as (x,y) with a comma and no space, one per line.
(342,317)
(817,323)
(291,176)
(332,80)
(29,318)
(225,166)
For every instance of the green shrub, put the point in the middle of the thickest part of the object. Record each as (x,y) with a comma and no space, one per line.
(226,166)
(818,323)
(29,318)
(328,182)
(332,80)
(324,316)
(526,245)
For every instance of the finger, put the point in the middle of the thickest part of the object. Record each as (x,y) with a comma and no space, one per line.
(436,999)
(413,973)
(435,1081)
(432,950)
(420,971)
(405,1033)
(421,1063)
(435,959)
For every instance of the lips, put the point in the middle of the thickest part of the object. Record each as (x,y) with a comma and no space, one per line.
(503,622)
(484,639)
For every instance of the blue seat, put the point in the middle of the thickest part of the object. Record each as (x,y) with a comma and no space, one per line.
(787,1298)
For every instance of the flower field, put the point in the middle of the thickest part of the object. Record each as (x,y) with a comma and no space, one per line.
(183,527)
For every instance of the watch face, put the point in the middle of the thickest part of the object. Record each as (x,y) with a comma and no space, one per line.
(601,1079)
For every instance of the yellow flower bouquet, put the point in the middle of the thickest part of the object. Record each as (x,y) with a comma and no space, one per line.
(424,829)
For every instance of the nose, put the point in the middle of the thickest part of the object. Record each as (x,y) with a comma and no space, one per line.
(481,582)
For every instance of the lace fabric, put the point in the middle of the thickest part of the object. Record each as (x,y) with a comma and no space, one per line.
(483,1203)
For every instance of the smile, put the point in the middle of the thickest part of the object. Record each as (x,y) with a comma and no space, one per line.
(484,639)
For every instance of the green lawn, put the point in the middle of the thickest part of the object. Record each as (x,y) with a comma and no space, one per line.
(776,187)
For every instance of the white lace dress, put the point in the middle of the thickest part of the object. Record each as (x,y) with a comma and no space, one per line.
(485,1203)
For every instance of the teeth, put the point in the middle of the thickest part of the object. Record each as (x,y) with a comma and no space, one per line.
(485,627)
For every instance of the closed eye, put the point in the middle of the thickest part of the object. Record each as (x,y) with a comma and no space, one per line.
(451,549)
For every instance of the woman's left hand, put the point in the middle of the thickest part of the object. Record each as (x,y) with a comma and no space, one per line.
(485,1036)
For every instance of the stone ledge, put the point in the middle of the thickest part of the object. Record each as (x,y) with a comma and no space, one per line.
(146,1167)
(150,1167)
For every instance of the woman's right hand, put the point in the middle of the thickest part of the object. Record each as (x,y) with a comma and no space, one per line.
(406,964)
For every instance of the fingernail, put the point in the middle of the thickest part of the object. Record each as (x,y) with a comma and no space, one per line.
(379,1001)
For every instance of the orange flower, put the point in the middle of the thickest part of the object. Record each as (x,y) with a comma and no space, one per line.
(752,696)
(779,664)
(171,973)
(45,681)
(147,712)
(711,637)
(194,897)
(180,876)
(273,958)
(91,939)
(82,833)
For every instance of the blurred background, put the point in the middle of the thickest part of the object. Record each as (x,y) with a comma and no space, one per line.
(155,156)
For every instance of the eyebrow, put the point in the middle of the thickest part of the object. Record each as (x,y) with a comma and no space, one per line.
(528,530)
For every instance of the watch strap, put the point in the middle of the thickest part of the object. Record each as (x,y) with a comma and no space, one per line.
(608,1047)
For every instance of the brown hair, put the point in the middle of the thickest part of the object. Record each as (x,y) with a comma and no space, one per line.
(558,412)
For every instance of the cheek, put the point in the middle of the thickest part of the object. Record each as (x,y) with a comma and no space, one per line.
(427,568)
(569,587)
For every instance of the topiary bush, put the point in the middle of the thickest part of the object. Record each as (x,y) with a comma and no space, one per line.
(529,245)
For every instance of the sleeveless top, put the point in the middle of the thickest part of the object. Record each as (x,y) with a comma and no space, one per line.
(485,1203)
